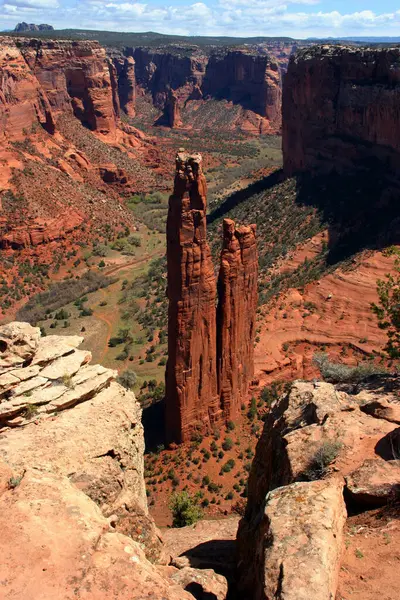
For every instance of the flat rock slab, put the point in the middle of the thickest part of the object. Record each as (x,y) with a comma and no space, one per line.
(66,366)
(54,346)
(375,483)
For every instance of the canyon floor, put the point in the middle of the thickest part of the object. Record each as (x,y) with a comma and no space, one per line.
(306,305)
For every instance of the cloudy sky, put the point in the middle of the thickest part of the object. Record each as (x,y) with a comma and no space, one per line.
(296,18)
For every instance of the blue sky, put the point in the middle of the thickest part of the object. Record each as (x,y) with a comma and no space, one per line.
(296,18)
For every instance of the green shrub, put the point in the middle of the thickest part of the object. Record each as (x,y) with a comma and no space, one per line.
(184,510)
(62,315)
(227,444)
(100,250)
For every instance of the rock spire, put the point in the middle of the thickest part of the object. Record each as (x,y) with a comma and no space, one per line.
(210,357)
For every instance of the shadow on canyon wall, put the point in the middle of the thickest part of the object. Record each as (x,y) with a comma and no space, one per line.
(360,209)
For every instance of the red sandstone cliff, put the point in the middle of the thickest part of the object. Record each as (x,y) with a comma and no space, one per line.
(236,319)
(76,77)
(191,376)
(23,103)
(126,79)
(341,109)
(249,78)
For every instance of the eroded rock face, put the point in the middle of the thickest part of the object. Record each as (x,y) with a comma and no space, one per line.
(236,319)
(247,77)
(297,545)
(315,437)
(71,478)
(191,376)
(23,102)
(341,109)
(172,111)
(210,362)
(76,77)
(125,70)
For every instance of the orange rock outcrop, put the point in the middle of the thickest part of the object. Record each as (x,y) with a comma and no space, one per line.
(236,319)
(76,77)
(210,360)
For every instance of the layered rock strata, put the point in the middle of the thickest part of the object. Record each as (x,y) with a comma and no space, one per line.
(177,75)
(191,376)
(236,318)
(341,110)
(210,359)
(76,77)
(23,102)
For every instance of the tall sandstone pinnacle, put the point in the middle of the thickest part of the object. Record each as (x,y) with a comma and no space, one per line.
(236,318)
(210,350)
(191,378)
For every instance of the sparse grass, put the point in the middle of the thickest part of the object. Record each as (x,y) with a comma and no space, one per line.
(341,373)
(326,453)
(67,381)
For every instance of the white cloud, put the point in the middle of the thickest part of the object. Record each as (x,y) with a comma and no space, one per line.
(227,17)
(32,4)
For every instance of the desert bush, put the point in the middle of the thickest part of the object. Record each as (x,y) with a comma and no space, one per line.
(326,453)
(185,510)
(100,250)
(127,379)
(388,309)
(340,373)
(227,444)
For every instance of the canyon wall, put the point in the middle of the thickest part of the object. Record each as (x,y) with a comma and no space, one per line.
(341,110)
(191,376)
(160,69)
(236,319)
(126,78)
(210,358)
(23,102)
(175,75)
(77,77)
(246,78)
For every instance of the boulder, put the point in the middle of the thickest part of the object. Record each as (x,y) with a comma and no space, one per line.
(382,409)
(296,548)
(375,483)
(202,583)
(18,344)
